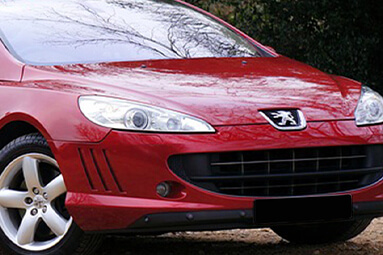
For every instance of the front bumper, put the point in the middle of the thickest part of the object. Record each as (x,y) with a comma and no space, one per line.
(112,184)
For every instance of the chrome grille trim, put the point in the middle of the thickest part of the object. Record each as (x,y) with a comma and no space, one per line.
(285,161)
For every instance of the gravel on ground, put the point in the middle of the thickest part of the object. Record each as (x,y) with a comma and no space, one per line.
(241,242)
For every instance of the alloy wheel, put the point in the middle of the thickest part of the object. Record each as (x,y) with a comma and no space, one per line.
(32,202)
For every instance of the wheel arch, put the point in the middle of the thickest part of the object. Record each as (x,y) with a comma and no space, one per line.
(17,125)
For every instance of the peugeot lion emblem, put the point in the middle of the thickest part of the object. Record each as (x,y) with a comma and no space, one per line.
(286,120)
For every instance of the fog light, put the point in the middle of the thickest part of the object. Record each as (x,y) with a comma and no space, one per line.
(163,189)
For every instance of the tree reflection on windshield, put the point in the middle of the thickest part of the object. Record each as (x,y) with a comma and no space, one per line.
(74,31)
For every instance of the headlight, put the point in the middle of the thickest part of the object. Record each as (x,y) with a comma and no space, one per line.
(126,115)
(370,108)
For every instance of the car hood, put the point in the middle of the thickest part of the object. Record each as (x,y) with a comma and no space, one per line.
(220,91)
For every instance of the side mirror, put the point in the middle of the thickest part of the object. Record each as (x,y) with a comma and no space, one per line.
(271,49)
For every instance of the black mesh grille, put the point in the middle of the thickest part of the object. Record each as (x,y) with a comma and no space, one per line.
(288,172)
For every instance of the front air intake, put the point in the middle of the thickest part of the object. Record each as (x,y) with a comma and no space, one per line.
(287,172)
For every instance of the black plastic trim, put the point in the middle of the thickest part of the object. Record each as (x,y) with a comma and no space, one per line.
(221,220)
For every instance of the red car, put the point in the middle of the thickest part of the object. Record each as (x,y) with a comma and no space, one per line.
(145,117)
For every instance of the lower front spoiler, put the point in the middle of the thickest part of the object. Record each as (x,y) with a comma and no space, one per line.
(222,220)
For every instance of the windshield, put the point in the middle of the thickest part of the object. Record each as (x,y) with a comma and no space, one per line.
(46,32)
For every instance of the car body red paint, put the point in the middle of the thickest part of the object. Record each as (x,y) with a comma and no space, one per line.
(111,175)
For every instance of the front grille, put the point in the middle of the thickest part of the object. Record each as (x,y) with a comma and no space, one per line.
(287,172)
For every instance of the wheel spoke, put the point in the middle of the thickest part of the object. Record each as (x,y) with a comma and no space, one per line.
(31,173)
(55,221)
(55,188)
(12,198)
(27,229)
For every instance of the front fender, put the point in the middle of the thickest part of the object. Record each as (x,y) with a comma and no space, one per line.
(55,114)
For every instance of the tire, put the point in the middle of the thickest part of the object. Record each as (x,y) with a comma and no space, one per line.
(36,221)
(322,233)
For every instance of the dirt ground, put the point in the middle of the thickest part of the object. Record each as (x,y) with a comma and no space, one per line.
(243,242)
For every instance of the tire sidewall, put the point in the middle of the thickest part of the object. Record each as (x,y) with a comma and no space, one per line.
(35,144)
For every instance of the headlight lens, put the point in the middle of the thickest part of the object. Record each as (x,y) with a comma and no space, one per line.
(126,115)
(370,108)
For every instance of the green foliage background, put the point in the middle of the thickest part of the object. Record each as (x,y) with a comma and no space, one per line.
(343,37)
